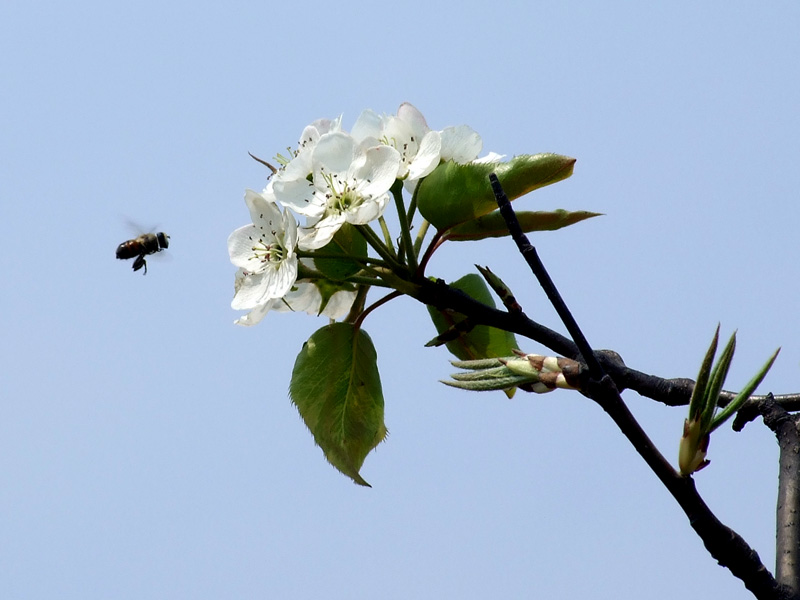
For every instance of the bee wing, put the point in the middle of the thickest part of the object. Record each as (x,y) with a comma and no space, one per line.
(136,229)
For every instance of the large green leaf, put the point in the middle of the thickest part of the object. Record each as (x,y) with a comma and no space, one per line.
(337,390)
(455,193)
(493,224)
(481,341)
(346,242)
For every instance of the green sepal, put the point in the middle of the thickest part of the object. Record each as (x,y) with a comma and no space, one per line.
(336,388)
(346,242)
(493,225)
(454,193)
(480,341)
(328,288)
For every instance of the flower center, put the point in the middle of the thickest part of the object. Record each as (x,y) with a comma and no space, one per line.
(341,196)
(265,252)
(408,150)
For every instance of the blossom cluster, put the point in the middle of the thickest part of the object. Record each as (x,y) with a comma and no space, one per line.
(333,177)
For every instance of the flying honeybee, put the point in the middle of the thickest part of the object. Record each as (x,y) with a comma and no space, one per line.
(147,243)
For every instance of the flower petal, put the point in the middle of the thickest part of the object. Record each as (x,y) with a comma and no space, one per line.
(367,126)
(249,291)
(461,144)
(492,157)
(240,248)
(338,305)
(263,209)
(368,211)
(299,195)
(409,113)
(379,171)
(428,156)
(318,235)
(334,154)
(254,317)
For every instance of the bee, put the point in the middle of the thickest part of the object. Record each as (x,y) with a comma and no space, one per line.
(147,243)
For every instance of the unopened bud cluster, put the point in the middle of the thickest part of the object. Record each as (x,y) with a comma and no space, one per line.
(535,372)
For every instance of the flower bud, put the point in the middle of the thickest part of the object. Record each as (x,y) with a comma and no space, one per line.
(693,447)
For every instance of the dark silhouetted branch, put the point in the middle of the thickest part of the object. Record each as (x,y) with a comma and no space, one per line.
(724,544)
(787,553)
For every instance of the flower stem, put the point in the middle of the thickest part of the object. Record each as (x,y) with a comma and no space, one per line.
(435,243)
(387,235)
(360,259)
(375,305)
(412,206)
(361,280)
(358,304)
(379,247)
(405,230)
(423,229)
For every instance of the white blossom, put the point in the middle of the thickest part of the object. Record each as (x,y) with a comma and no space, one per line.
(342,181)
(265,250)
(305,296)
(408,133)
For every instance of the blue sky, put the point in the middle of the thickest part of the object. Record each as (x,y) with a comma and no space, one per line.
(147,445)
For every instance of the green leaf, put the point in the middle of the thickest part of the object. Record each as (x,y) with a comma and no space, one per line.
(337,390)
(488,385)
(742,396)
(493,224)
(346,242)
(717,379)
(481,341)
(697,401)
(455,193)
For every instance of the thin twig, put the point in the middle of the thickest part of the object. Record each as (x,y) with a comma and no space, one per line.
(537,267)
